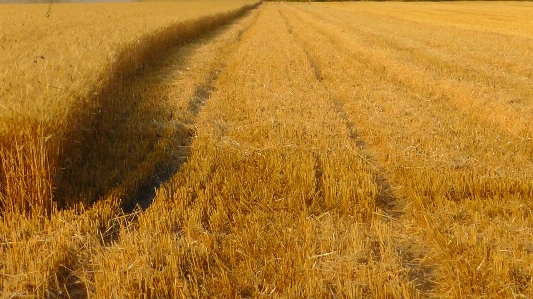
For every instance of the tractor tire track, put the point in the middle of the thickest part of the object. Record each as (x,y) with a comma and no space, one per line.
(386,200)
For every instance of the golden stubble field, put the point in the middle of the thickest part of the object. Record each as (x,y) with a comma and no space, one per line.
(333,150)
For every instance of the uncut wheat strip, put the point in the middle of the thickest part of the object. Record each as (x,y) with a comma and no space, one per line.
(498,97)
(94,226)
(411,224)
(236,167)
(40,77)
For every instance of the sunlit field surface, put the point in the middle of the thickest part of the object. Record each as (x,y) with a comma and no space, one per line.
(299,150)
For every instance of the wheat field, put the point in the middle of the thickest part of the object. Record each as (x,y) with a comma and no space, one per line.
(284,150)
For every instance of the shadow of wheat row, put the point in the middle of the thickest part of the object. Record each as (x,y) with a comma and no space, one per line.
(132,134)
(301,150)
(134,141)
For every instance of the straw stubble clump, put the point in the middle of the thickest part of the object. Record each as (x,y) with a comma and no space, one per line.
(369,150)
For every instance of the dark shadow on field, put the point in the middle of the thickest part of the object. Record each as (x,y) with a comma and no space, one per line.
(124,140)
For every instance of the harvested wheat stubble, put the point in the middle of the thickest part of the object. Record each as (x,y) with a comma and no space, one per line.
(462,170)
(275,197)
(339,150)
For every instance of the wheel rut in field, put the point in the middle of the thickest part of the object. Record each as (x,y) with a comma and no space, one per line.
(386,200)
(126,141)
